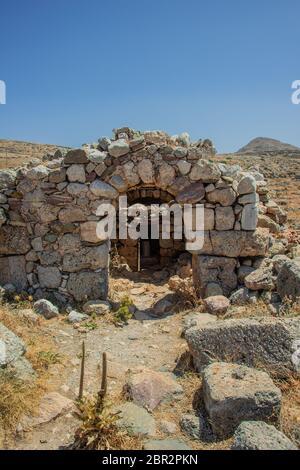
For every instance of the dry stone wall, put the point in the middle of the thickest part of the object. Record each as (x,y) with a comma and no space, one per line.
(48,242)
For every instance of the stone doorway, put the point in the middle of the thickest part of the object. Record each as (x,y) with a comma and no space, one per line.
(150,253)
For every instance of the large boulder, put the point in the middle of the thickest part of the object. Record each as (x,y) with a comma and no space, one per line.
(234,393)
(118,148)
(268,342)
(75,156)
(257,435)
(288,280)
(149,388)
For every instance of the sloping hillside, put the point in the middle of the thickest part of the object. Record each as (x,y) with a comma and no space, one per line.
(14,153)
(262,145)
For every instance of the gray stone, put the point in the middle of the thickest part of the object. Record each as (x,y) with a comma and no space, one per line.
(225,197)
(49,277)
(278,262)
(7,178)
(234,393)
(130,174)
(260,279)
(247,185)
(13,271)
(257,435)
(103,190)
(243,272)
(86,258)
(104,143)
(37,244)
(252,198)
(135,420)
(217,305)
(205,171)
(119,183)
(88,232)
(96,156)
(196,427)
(14,240)
(86,285)
(180,152)
(77,189)
(76,317)
(265,341)
(224,218)
(98,307)
(249,217)
(166,444)
(149,388)
(11,347)
(46,309)
(213,288)
(288,280)
(184,167)
(214,269)
(266,222)
(166,176)
(76,174)
(118,148)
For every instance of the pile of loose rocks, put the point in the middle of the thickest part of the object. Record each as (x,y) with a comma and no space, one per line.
(48,213)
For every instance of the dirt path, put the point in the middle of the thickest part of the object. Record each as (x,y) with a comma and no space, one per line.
(147,342)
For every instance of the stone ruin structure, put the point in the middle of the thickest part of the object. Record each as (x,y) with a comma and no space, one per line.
(48,242)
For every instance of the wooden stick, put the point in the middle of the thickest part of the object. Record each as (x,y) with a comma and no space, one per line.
(80,395)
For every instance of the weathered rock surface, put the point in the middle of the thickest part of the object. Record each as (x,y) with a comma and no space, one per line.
(288,280)
(88,285)
(149,388)
(234,393)
(217,305)
(76,317)
(257,435)
(12,350)
(52,406)
(135,420)
(265,341)
(196,427)
(260,279)
(46,309)
(13,240)
(166,444)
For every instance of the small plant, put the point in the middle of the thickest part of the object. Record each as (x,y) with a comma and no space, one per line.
(124,313)
(90,325)
(47,358)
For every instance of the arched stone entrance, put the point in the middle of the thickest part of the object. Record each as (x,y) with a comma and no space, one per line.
(48,212)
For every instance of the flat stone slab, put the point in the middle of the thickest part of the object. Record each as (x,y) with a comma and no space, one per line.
(257,435)
(233,393)
(149,388)
(265,341)
(135,420)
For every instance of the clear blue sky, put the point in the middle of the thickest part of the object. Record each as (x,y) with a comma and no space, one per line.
(222,69)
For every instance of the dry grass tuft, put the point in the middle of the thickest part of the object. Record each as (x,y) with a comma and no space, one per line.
(290,410)
(19,398)
(99,430)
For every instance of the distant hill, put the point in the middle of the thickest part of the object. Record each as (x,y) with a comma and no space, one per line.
(262,145)
(14,153)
